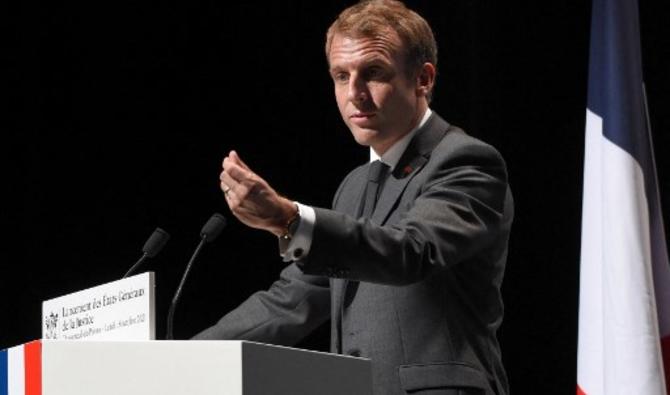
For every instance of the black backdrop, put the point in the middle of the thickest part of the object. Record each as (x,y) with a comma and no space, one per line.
(119,114)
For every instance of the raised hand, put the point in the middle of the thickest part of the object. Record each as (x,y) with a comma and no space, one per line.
(252,200)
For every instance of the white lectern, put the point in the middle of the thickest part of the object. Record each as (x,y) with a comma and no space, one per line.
(103,361)
(197,368)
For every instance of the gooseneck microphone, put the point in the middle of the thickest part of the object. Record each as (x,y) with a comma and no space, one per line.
(153,246)
(209,232)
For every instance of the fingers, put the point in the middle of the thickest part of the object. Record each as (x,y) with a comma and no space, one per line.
(233,175)
(236,169)
(237,178)
(233,191)
(233,157)
(233,185)
(239,174)
(226,183)
(237,160)
(232,199)
(225,188)
(232,182)
(237,183)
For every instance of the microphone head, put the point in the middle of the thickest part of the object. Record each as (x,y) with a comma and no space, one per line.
(156,242)
(213,227)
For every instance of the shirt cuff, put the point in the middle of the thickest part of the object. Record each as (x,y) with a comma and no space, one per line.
(301,242)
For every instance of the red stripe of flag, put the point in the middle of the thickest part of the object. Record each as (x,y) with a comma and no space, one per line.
(665,350)
(33,367)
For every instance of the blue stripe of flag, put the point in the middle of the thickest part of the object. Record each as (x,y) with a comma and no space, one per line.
(615,77)
(4,385)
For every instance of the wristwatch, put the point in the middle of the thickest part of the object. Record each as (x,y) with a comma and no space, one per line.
(285,239)
(292,226)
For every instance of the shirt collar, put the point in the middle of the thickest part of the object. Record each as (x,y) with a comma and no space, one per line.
(392,155)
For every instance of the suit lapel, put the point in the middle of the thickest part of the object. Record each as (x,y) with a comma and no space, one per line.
(393,188)
(413,159)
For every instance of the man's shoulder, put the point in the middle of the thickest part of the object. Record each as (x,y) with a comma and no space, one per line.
(456,142)
(456,148)
(440,137)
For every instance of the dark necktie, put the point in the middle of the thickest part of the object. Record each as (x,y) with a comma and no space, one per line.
(376,176)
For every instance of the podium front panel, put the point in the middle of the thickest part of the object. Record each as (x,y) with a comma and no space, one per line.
(197,368)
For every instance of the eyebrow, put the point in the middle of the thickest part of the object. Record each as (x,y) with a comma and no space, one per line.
(372,61)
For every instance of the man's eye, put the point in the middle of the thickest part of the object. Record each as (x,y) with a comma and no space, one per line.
(374,73)
(341,77)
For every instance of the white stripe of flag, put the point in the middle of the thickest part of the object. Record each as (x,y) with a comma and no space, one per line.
(16,378)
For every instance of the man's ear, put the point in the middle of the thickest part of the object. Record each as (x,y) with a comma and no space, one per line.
(425,79)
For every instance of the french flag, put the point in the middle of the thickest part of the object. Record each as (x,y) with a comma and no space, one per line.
(624,298)
(21,370)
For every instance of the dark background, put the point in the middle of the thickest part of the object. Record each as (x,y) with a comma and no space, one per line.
(117,116)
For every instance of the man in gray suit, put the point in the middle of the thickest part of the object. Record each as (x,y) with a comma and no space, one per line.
(409,262)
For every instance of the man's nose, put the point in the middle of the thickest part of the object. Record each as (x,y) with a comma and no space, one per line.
(358,90)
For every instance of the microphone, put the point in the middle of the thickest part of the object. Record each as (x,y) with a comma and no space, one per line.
(209,232)
(154,244)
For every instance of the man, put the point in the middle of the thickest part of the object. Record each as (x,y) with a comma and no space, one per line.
(408,265)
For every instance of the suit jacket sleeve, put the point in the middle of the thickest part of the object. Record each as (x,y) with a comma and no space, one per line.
(457,205)
(294,305)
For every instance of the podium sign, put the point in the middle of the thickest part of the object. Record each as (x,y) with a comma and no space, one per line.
(119,310)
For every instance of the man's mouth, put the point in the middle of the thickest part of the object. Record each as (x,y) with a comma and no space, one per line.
(363,119)
(362,115)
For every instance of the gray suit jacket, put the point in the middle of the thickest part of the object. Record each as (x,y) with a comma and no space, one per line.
(416,288)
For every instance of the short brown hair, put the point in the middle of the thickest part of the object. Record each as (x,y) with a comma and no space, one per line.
(372,18)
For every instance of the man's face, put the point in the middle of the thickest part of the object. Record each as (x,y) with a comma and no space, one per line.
(377,100)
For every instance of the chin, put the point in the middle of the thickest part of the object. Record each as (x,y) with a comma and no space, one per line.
(364,137)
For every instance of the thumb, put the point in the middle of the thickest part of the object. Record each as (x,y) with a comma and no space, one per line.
(238,161)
